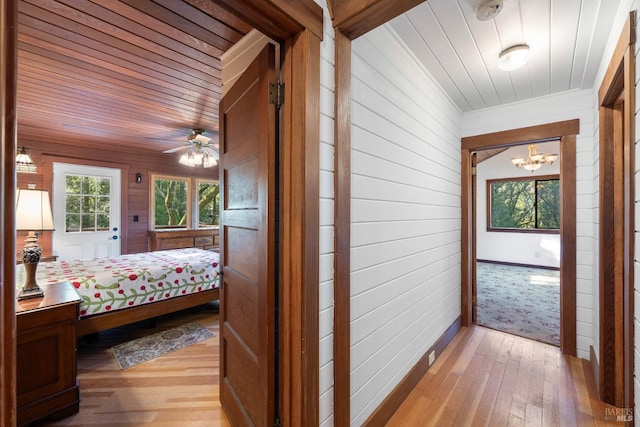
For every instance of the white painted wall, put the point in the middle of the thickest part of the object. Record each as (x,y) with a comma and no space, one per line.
(521,248)
(405,217)
(564,106)
(326,220)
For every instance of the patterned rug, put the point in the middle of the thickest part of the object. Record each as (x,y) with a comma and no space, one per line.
(152,346)
(522,301)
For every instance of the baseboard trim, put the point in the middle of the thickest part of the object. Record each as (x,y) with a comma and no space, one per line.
(516,264)
(390,405)
(595,367)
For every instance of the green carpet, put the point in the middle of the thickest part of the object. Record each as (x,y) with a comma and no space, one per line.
(152,346)
(522,301)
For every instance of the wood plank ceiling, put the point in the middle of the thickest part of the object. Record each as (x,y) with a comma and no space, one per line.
(567,39)
(141,72)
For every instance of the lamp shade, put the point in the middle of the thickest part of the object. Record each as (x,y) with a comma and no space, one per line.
(33,210)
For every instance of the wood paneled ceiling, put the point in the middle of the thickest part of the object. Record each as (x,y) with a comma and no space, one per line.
(121,73)
(567,40)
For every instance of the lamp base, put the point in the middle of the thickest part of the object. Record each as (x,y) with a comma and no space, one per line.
(30,293)
(30,258)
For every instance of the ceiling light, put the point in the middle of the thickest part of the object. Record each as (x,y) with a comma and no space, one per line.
(199,156)
(513,57)
(535,160)
(24,163)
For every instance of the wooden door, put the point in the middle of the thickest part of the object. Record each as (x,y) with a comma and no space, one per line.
(247,237)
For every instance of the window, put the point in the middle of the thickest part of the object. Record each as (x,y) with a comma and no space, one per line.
(208,203)
(88,203)
(524,204)
(174,205)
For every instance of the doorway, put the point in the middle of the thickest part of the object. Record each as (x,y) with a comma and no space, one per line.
(299,196)
(86,211)
(517,224)
(615,365)
(566,133)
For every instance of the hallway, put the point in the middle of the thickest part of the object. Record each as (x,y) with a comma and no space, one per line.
(487,377)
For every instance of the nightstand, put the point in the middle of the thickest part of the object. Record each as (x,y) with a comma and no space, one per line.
(46,355)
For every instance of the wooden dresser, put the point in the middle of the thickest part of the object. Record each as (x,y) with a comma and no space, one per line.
(207,238)
(46,355)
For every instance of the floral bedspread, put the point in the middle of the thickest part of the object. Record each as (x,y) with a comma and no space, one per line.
(113,283)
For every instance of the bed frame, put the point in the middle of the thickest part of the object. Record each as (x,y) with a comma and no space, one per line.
(158,240)
(103,321)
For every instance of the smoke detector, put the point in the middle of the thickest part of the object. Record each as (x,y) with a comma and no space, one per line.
(489,9)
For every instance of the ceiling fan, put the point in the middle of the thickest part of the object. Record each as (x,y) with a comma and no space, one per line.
(202,152)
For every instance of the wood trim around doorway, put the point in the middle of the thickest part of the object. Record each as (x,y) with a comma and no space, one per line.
(616,97)
(8,132)
(566,131)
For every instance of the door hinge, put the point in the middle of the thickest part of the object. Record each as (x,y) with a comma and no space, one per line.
(276,422)
(474,171)
(276,93)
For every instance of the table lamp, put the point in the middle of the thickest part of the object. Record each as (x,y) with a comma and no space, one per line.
(33,214)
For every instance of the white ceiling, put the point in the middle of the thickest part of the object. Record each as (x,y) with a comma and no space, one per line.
(567,39)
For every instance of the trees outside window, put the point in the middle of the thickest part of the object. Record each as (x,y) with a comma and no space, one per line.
(524,204)
(208,203)
(88,203)
(174,205)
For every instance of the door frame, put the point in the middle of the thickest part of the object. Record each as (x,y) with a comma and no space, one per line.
(299,27)
(351,19)
(616,100)
(566,132)
(8,142)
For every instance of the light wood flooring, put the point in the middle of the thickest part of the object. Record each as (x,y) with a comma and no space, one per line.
(483,378)
(491,378)
(177,389)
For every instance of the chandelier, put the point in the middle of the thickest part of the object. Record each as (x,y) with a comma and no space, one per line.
(535,160)
(199,156)
(24,162)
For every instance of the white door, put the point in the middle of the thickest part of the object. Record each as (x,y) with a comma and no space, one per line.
(86,211)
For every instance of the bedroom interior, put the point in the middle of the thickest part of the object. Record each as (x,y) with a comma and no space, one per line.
(517,220)
(144,75)
(113,109)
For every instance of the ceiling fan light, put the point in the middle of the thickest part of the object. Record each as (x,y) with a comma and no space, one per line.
(513,57)
(184,159)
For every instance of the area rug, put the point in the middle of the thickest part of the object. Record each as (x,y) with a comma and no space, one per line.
(522,301)
(150,347)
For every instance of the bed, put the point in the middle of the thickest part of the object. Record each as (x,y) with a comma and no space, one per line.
(115,291)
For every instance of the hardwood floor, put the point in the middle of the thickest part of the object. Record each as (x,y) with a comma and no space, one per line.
(483,378)
(179,388)
(491,378)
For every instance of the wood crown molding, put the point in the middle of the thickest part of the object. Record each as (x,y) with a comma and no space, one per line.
(515,136)
(357,17)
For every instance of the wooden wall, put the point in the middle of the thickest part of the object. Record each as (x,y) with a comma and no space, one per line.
(131,161)
(405,217)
